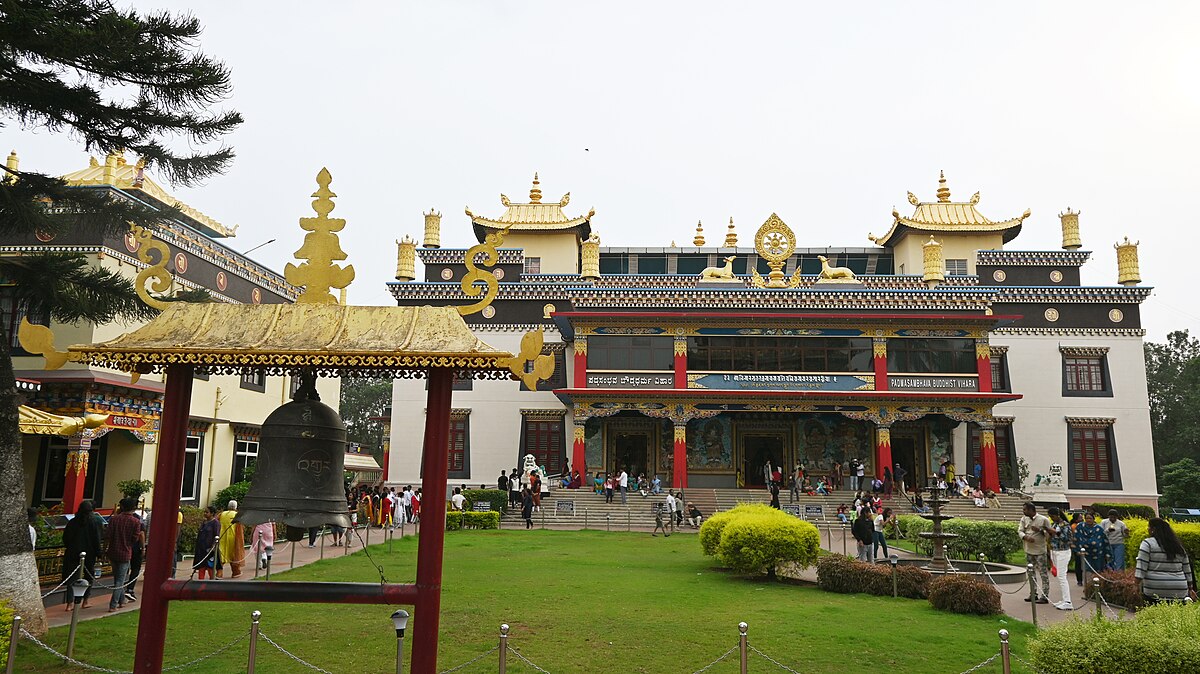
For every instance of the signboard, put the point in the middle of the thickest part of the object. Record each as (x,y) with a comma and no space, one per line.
(932,383)
(122,421)
(814,512)
(564,508)
(481,506)
(630,380)
(782,382)
(791,509)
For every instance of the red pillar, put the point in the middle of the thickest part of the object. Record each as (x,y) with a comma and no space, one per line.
(681,362)
(883,449)
(78,449)
(983,362)
(580,361)
(579,452)
(435,457)
(879,348)
(991,467)
(679,479)
(168,480)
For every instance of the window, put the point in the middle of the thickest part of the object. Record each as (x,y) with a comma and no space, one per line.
(245,453)
(651,264)
(1093,459)
(617,263)
(556,380)
(542,436)
(254,381)
(533,265)
(1005,456)
(1000,372)
(690,264)
(929,356)
(11,314)
(630,352)
(779,354)
(1085,374)
(460,442)
(190,489)
(956,267)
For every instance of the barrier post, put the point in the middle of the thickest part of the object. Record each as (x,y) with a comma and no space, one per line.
(323,532)
(503,649)
(895,560)
(1033,596)
(843,538)
(253,655)
(1097,599)
(1005,664)
(14,637)
(743,646)
(982,563)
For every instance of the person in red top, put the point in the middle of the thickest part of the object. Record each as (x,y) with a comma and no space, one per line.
(124,531)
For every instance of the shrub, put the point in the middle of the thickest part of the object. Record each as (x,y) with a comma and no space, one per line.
(753,542)
(6,617)
(994,539)
(964,594)
(134,488)
(234,492)
(481,520)
(1188,532)
(710,532)
(1118,588)
(1159,638)
(498,499)
(1124,510)
(193,517)
(454,520)
(846,575)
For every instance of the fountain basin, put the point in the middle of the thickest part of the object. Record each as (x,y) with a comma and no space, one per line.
(1003,574)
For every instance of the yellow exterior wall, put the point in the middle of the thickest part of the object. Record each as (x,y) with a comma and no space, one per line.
(908,251)
(559,251)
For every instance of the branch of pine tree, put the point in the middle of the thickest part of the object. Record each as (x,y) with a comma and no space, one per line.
(70,290)
(24,208)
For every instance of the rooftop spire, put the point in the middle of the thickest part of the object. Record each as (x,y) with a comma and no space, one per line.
(943,192)
(731,236)
(699,239)
(535,192)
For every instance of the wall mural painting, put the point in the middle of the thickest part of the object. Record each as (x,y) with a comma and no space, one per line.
(825,438)
(941,445)
(593,442)
(710,444)
(666,451)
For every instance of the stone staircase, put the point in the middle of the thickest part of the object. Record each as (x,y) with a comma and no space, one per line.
(591,512)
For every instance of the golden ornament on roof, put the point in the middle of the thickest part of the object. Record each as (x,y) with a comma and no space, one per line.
(775,242)
(321,247)
(491,286)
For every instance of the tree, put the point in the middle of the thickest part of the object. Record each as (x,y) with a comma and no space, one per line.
(1180,485)
(1173,380)
(115,80)
(363,401)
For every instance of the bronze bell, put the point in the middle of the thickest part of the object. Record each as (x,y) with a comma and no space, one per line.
(301,462)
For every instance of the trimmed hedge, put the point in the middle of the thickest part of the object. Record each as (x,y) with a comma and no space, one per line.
(994,539)
(1124,510)
(1188,532)
(481,520)
(758,538)
(236,491)
(498,499)
(193,517)
(846,575)
(1118,588)
(964,594)
(1159,638)
(454,520)
(710,532)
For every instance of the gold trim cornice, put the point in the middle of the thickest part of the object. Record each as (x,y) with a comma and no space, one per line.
(1090,422)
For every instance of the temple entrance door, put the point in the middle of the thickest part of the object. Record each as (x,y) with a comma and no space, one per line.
(904,452)
(630,451)
(757,450)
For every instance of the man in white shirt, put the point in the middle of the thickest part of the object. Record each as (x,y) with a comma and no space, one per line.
(671,507)
(456,501)
(623,479)
(406,501)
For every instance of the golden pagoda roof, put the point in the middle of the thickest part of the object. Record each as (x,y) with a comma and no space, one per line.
(330,338)
(533,216)
(946,216)
(119,173)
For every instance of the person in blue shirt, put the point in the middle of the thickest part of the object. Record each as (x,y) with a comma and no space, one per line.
(656,485)
(978,473)
(1092,543)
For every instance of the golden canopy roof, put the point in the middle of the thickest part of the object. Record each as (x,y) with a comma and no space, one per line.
(532,216)
(946,216)
(330,338)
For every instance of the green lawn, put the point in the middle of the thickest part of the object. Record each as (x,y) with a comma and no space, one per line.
(584,601)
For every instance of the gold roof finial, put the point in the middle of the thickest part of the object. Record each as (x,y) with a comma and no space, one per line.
(317,273)
(943,192)
(699,238)
(731,235)
(535,192)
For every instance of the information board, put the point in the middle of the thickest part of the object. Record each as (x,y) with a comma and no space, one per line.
(481,506)
(791,509)
(814,512)
(564,508)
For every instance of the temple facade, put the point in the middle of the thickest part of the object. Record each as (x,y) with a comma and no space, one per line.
(704,364)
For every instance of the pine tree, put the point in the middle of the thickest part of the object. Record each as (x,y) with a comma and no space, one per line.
(116,80)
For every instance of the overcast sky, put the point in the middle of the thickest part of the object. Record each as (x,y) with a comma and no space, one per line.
(659,114)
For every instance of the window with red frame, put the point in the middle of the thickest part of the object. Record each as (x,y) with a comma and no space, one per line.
(1084,374)
(544,440)
(458,445)
(1091,453)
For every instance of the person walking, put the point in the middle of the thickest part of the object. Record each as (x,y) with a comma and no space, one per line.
(1033,530)
(124,531)
(502,482)
(514,489)
(671,508)
(900,474)
(797,479)
(864,535)
(82,534)
(205,553)
(527,507)
(1163,571)
(1061,542)
(658,521)
(878,538)
(623,483)
(263,538)
(1117,532)
(859,471)
(775,496)
(233,540)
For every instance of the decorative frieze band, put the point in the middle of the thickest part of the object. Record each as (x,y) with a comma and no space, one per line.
(1033,258)
(1072,332)
(1083,351)
(1090,422)
(544,415)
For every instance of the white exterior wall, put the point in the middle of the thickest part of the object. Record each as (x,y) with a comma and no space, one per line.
(1039,424)
(494,426)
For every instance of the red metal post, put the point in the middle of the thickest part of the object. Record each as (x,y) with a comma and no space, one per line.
(681,362)
(168,479)
(579,453)
(78,448)
(879,348)
(433,522)
(983,361)
(295,592)
(991,465)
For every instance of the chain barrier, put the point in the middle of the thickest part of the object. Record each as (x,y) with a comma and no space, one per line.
(1094,575)
(771,659)
(471,661)
(231,644)
(297,658)
(68,577)
(526,660)
(1025,662)
(983,664)
(727,653)
(997,585)
(78,663)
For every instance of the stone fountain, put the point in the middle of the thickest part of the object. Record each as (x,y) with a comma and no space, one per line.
(938,563)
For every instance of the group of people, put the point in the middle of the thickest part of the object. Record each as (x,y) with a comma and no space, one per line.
(1163,570)
(611,484)
(123,541)
(869,529)
(675,514)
